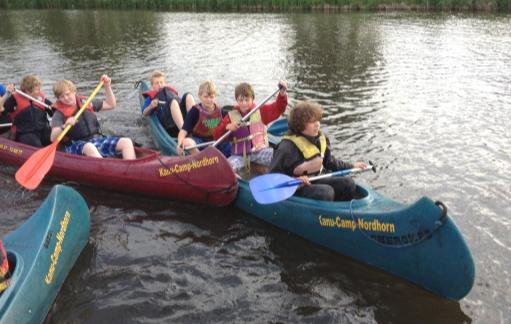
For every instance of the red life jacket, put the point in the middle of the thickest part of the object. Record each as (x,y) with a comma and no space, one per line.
(207,121)
(86,126)
(23,104)
(152,93)
(69,111)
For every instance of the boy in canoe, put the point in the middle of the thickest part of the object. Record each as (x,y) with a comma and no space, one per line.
(164,101)
(249,141)
(4,269)
(4,117)
(305,152)
(201,120)
(85,135)
(30,118)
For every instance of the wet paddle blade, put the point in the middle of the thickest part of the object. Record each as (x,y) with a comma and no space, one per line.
(35,168)
(273,187)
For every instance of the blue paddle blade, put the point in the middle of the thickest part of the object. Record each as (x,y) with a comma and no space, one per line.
(278,127)
(273,187)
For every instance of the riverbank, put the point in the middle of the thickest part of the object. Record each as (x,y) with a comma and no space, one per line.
(266,5)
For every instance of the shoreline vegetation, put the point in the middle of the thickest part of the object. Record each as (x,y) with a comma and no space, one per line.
(266,5)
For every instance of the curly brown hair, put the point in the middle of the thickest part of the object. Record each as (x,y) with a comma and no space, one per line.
(302,113)
(244,89)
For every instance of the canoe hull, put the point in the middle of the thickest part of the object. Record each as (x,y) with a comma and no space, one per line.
(43,250)
(410,241)
(205,178)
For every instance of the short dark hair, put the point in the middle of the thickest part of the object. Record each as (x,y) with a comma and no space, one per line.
(302,113)
(244,89)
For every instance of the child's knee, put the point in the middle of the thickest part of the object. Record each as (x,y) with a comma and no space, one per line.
(326,193)
(90,149)
(124,143)
(188,142)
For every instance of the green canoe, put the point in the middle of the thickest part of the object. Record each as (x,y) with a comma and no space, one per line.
(41,252)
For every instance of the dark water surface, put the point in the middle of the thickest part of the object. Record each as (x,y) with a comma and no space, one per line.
(424,96)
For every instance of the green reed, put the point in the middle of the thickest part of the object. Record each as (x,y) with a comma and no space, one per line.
(265,5)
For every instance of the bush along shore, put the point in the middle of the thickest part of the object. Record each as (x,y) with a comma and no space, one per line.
(265,5)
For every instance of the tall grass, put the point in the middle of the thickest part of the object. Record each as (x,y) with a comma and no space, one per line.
(264,5)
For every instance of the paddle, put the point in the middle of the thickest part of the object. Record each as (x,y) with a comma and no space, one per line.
(29,97)
(206,143)
(228,108)
(274,187)
(247,116)
(39,163)
(6,125)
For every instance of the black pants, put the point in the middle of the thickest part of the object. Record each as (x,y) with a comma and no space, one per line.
(37,139)
(336,188)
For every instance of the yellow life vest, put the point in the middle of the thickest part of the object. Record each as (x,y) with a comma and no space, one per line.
(313,156)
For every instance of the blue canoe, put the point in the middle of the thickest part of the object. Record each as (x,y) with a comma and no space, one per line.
(418,242)
(41,252)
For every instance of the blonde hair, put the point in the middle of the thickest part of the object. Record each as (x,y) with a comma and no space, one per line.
(62,86)
(157,74)
(244,89)
(29,82)
(207,87)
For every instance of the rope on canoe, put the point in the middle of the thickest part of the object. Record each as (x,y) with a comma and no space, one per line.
(439,223)
(199,188)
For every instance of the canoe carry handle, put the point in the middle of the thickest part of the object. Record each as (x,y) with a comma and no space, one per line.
(443,215)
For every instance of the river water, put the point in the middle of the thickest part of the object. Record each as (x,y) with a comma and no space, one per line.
(424,96)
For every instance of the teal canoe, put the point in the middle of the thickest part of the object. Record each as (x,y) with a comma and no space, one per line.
(418,242)
(41,252)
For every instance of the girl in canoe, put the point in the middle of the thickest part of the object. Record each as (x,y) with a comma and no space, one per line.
(30,118)
(164,101)
(85,135)
(305,152)
(201,120)
(249,142)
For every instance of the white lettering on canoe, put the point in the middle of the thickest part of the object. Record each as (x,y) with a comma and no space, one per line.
(54,257)
(187,167)
(364,225)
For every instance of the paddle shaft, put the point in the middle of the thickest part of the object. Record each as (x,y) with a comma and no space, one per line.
(29,97)
(79,113)
(246,117)
(6,125)
(297,182)
(206,143)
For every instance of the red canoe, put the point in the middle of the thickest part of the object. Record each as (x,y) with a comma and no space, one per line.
(205,178)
